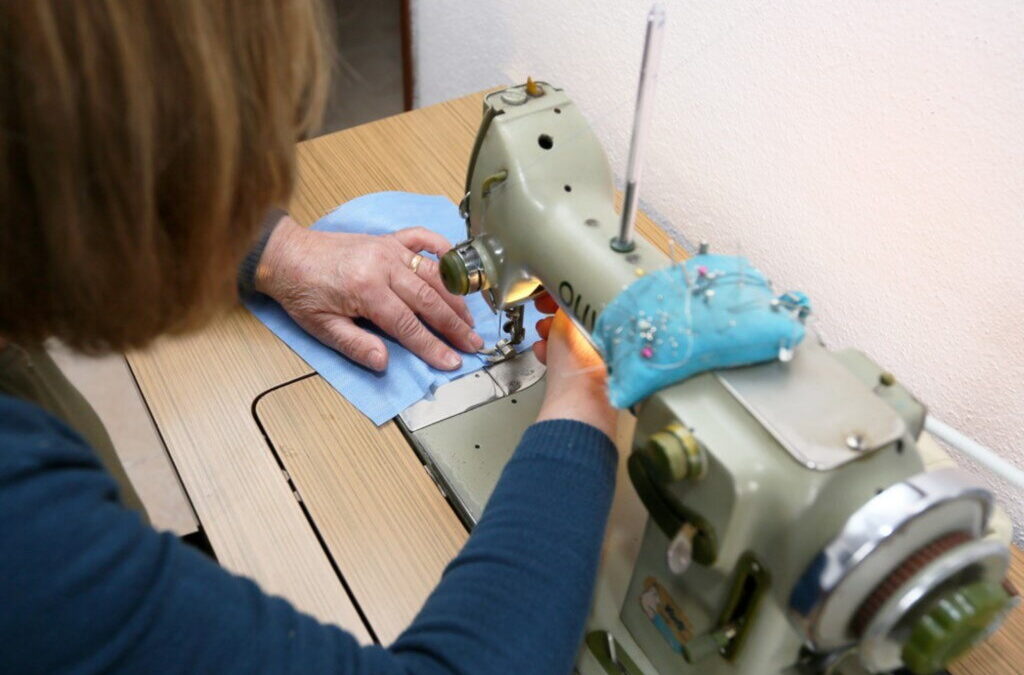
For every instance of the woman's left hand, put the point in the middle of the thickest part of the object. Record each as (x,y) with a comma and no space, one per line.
(325,280)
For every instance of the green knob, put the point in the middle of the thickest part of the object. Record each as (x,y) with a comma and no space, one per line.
(959,619)
(454,273)
(674,454)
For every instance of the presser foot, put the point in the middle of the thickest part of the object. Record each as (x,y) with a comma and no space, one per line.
(505,348)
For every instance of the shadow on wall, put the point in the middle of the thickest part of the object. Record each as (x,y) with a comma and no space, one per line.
(366,75)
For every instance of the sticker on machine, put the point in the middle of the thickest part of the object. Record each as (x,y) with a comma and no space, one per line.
(665,614)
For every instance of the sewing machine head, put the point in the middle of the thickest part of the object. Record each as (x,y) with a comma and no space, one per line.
(540,210)
(792,527)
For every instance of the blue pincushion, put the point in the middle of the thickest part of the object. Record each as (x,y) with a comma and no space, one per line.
(711,312)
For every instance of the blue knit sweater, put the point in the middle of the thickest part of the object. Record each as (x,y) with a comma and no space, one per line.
(86,588)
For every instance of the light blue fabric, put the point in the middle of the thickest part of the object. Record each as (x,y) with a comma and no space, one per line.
(715,311)
(381,396)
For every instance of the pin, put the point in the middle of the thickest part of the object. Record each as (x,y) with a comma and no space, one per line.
(647,331)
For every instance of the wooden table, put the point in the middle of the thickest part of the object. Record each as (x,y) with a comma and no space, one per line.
(297,489)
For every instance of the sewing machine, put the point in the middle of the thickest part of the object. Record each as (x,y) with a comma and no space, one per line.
(790,525)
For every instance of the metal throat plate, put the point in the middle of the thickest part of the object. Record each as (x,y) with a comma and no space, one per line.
(471,391)
(815,407)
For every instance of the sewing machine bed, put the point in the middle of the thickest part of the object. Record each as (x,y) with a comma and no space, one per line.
(468,431)
(465,452)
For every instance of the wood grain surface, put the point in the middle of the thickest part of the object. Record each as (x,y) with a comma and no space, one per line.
(362,486)
(200,390)
(384,520)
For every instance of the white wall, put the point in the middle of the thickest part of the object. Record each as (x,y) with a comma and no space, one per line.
(868,152)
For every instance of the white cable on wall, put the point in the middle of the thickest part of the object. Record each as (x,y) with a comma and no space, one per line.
(976,451)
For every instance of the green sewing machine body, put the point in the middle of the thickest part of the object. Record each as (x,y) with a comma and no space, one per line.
(791,526)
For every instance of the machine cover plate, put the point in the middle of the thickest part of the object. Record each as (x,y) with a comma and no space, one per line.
(815,408)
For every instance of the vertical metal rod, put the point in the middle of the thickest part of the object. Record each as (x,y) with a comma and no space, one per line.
(641,119)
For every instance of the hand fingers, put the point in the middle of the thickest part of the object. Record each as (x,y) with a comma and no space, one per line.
(419,239)
(431,307)
(546,304)
(541,350)
(393,316)
(428,271)
(544,327)
(583,351)
(342,333)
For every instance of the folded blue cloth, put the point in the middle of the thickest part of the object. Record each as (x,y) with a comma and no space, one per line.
(713,311)
(381,396)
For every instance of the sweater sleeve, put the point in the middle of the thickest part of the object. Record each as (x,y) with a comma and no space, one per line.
(246,277)
(88,588)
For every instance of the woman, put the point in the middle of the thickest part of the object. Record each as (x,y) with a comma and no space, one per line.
(142,142)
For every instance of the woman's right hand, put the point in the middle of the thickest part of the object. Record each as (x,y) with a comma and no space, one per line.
(576,378)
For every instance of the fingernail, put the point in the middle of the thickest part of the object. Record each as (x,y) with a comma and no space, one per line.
(476,341)
(376,359)
(452,360)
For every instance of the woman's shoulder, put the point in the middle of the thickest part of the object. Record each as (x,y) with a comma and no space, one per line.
(30,436)
(77,569)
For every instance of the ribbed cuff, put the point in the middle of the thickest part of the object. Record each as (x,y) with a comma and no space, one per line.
(572,442)
(247,270)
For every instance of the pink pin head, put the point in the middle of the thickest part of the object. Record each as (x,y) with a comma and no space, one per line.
(702,270)
(647,352)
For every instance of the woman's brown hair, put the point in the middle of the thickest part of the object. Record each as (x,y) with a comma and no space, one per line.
(141,143)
